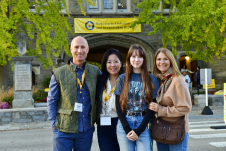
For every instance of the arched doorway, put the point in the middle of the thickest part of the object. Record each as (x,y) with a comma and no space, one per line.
(4,75)
(99,51)
(33,78)
(191,65)
(99,43)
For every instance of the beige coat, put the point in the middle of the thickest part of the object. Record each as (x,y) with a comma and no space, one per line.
(176,102)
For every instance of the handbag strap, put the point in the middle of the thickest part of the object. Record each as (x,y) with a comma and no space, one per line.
(181,120)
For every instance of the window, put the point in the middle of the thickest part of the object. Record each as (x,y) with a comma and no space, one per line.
(122,4)
(110,6)
(94,7)
(33,6)
(167,6)
(63,10)
(166,9)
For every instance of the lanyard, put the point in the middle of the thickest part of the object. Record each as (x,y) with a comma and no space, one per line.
(83,77)
(109,95)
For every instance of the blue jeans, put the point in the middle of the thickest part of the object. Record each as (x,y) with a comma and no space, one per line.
(143,142)
(183,146)
(76,141)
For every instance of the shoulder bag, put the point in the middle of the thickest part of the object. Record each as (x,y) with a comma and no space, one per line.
(168,132)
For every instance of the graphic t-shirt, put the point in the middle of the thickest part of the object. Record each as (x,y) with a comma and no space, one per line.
(136,101)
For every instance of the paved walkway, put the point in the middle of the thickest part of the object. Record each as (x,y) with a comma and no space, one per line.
(194,114)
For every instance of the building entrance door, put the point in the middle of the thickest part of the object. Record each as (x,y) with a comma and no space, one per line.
(191,65)
(96,54)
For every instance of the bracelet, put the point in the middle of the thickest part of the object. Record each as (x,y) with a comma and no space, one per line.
(53,128)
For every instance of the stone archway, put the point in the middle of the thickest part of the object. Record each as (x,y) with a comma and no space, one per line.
(99,43)
(35,73)
(180,54)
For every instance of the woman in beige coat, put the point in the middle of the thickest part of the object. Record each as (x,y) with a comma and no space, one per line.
(173,98)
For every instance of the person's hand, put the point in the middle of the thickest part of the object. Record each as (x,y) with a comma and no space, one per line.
(186,80)
(154,106)
(132,136)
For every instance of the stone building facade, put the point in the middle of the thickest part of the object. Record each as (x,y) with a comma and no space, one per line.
(100,42)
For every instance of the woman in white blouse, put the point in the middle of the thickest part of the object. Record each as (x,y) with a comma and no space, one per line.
(184,68)
(112,67)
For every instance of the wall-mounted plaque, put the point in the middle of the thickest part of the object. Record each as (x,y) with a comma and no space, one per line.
(22,77)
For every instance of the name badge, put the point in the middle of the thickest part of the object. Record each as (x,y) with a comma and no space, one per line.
(78,107)
(105,121)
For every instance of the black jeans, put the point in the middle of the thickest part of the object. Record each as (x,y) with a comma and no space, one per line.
(198,87)
(107,137)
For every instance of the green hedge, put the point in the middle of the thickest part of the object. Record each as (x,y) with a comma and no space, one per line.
(46,82)
(40,95)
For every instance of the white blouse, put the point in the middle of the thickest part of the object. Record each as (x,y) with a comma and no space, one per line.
(182,70)
(110,104)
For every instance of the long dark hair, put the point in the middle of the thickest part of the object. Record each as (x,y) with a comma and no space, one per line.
(145,77)
(184,66)
(105,73)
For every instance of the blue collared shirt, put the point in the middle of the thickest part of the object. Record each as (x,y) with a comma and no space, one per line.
(84,98)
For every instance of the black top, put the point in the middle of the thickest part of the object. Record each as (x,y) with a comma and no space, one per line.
(198,77)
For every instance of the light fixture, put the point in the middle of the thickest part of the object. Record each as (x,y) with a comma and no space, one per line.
(187,57)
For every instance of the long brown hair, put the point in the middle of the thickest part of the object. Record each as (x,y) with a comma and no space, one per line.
(148,85)
(173,63)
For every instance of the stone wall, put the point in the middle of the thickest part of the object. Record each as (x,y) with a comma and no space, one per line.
(213,100)
(218,70)
(23,115)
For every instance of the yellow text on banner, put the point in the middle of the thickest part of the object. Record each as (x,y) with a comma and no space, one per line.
(105,25)
(212,85)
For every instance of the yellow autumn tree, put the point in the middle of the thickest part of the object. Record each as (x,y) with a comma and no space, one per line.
(198,24)
(47,25)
